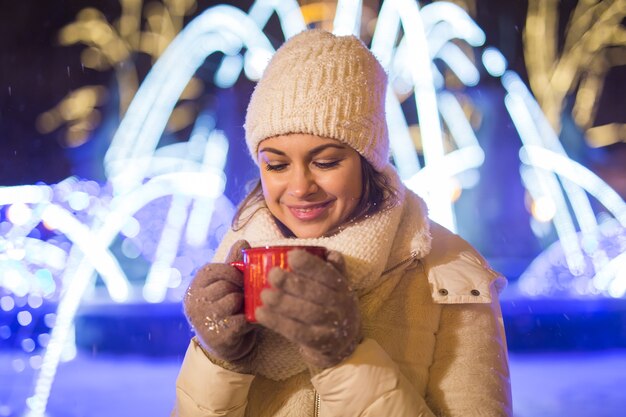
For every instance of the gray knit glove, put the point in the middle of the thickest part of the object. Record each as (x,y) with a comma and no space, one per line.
(314,307)
(214,307)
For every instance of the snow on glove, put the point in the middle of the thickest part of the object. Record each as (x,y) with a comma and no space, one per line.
(314,307)
(213,305)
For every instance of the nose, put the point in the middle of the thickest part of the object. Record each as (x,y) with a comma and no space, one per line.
(302,183)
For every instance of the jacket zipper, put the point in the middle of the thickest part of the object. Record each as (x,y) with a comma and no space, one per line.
(316,405)
(401,263)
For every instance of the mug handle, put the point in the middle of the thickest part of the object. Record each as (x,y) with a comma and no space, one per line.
(238,264)
(249,315)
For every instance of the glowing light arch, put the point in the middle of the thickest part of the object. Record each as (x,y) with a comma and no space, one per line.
(124,207)
(220,28)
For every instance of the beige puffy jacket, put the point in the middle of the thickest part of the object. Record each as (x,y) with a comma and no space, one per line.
(436,348)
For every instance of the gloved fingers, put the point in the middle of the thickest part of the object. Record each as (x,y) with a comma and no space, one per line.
(297,308)
(227,306)
(234,254)
(214,291)
(325,359)
(294,330)
(241,347)
(237,325)
(229,327)
(210,273)
(337,260)
(303,288)
(317,359)
(315,268)
(230,337)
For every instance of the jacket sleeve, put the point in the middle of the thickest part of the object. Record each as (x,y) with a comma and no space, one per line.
(204,389)
(368,384)
(469,375)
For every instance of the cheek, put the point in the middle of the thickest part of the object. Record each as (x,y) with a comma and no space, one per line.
(347,187)
(355,192)
(354,183)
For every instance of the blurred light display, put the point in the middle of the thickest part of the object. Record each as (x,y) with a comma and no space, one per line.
(594,44)
(162,211)
(142,28)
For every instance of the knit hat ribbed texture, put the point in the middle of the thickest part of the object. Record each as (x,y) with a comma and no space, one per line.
(325,85)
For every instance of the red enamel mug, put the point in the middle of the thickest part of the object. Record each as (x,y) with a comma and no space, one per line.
(256,265)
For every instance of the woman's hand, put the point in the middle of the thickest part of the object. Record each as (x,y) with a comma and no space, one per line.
(214,307)
(314,307)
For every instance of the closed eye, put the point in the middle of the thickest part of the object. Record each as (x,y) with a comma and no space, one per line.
(275,167)
(327,165)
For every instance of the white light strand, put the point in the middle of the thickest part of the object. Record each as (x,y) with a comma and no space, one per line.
(405,12)
(348,18)
(157,280)
(400,141)
(563,223)
(458,124)
(612,277)
(98,255)
(432,176)
(201,213)
(456,19)
(26,194)
(547,138)
(141,128)
(578,173)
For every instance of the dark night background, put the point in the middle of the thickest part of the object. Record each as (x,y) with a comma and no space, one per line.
(36,73)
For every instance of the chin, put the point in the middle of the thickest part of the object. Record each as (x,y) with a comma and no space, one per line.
(308,235)
(309,232)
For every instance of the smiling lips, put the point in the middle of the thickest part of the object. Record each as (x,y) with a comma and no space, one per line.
(310,211)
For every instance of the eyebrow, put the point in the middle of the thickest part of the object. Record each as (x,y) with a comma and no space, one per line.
(313,151)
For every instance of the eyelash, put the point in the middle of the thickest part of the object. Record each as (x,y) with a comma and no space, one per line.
(276,167)
(320,165)
(327,165)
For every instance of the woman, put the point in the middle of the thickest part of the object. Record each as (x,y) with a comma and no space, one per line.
(401,320)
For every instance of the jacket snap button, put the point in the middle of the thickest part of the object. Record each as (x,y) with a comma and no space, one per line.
(443,291)
(475,292)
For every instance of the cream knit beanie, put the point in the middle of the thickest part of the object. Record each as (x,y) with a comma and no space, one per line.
(324,85)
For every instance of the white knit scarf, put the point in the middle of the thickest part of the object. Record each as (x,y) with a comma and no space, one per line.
(369,248)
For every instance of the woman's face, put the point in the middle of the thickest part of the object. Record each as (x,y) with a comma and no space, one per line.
(310,183)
